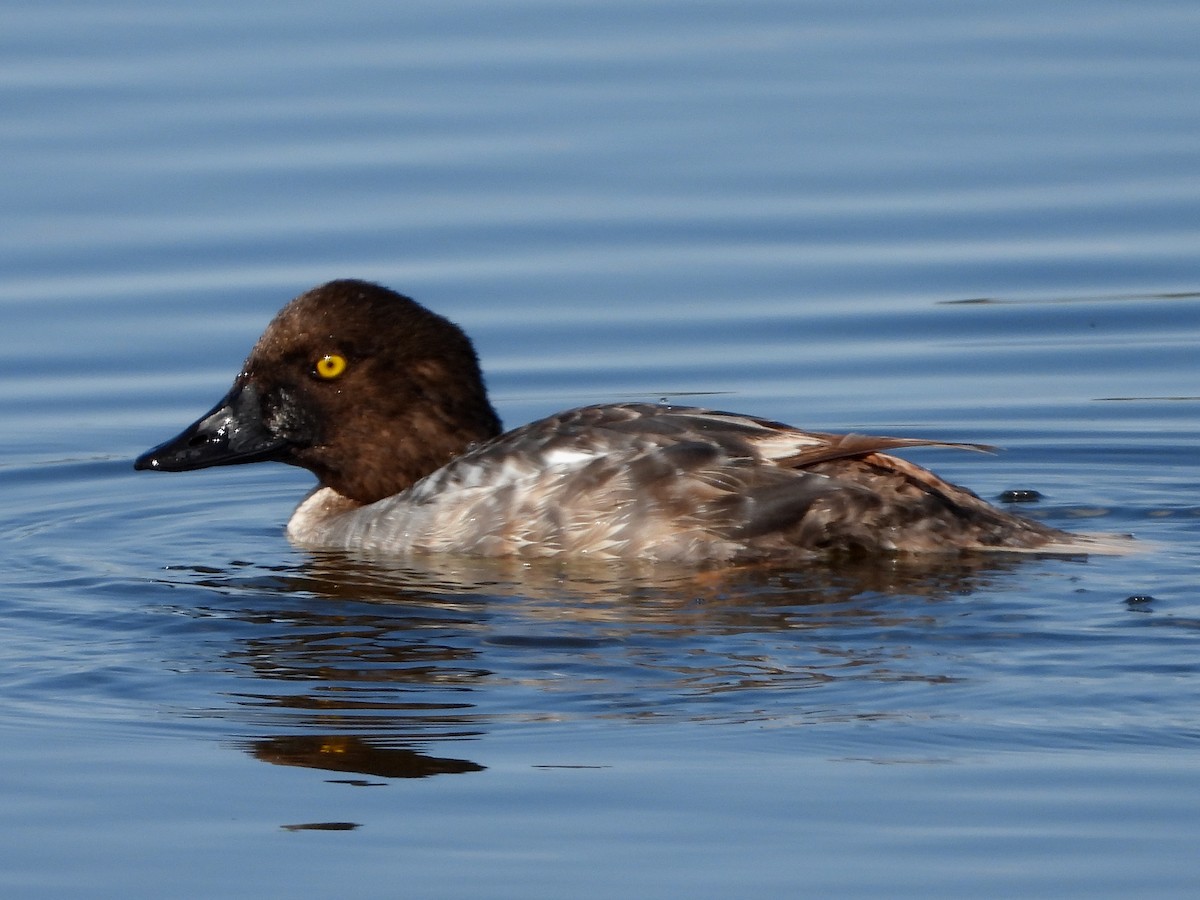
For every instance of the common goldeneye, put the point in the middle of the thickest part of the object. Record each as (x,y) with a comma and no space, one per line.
(384,402)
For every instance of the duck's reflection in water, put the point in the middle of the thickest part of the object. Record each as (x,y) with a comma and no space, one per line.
(360,665)
(347,753)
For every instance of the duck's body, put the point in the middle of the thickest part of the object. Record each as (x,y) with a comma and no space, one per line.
(669,483)
(384,401)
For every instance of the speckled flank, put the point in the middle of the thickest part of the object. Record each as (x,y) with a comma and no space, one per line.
(676,484)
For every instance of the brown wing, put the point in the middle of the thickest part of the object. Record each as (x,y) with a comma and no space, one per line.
(841,446)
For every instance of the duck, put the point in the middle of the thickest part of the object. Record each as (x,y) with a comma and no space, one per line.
(384,401)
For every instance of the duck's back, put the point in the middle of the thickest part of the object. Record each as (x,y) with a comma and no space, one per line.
(672,483)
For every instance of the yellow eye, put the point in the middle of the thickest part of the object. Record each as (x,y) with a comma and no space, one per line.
(331,366)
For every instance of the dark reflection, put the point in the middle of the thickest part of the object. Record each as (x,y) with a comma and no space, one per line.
(357,665)
(346,753)
(445,584)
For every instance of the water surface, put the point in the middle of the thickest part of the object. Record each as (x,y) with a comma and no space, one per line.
(919,219)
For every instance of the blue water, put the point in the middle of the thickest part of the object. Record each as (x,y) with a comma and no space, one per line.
(950,220)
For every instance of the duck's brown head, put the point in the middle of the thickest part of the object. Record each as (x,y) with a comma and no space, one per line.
(362,386)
